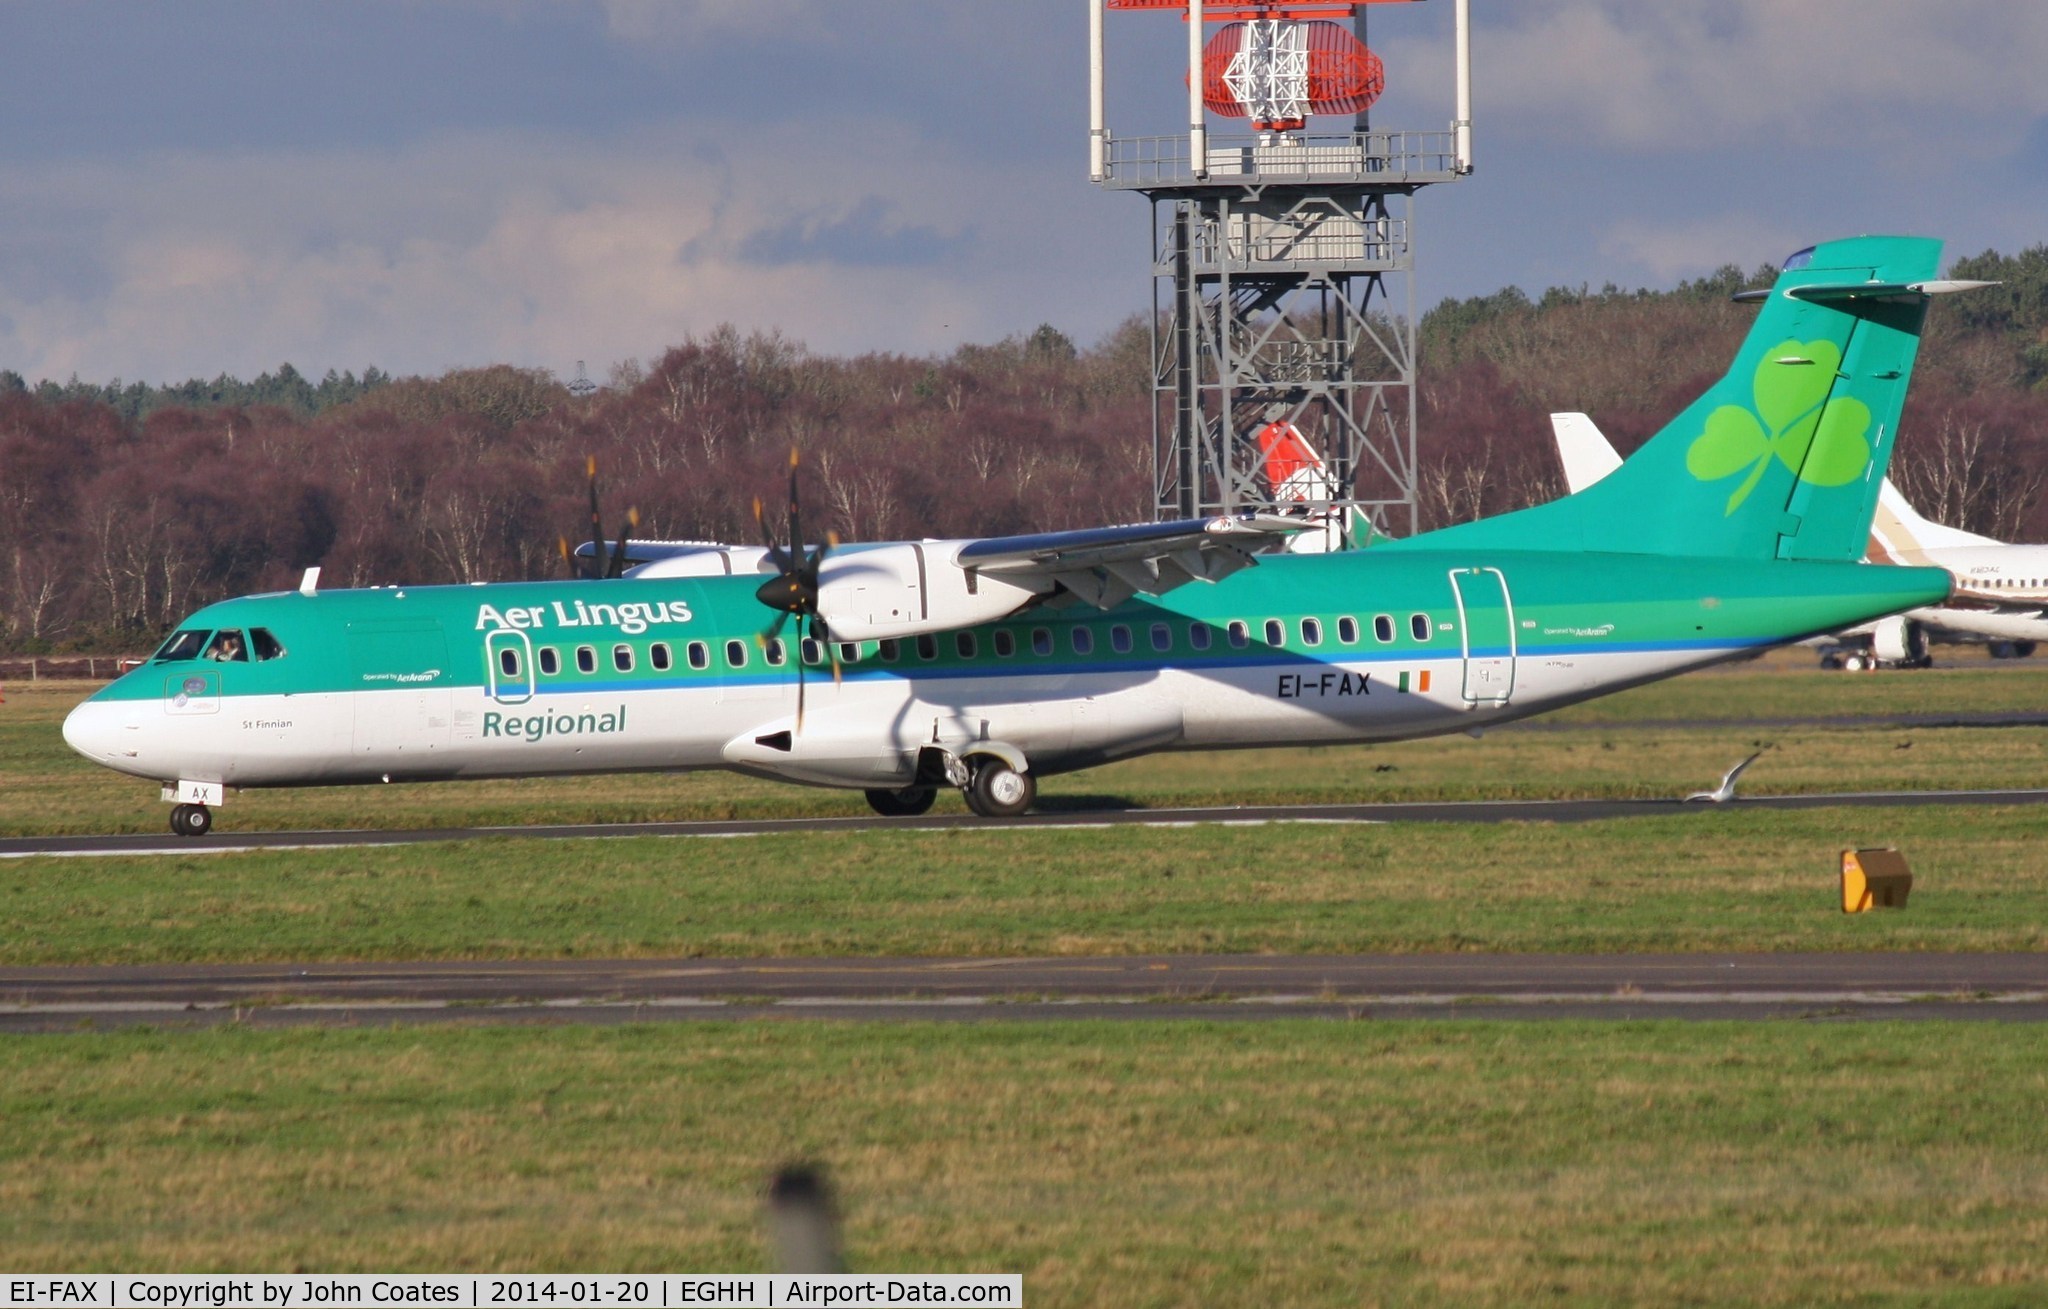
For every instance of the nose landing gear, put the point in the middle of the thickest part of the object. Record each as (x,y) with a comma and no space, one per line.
(191,820)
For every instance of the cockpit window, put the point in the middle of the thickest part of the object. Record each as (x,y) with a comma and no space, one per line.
(182,646)
(264,644)
(228,647)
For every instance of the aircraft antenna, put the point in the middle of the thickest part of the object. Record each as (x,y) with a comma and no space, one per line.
(1277,252)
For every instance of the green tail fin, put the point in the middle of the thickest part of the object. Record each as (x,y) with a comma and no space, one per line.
(1783,457)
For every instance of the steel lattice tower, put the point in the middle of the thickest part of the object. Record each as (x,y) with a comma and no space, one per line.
(1284,307)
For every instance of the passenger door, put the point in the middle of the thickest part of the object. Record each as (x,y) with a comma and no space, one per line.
(1486,634)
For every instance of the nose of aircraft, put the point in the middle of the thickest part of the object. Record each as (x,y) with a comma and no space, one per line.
(95,729)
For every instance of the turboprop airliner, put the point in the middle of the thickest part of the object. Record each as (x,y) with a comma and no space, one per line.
(986,664)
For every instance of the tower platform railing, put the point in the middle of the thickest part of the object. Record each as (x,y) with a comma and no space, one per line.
(1390,160)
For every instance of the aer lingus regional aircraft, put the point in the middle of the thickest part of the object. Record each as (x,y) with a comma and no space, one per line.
(985,664)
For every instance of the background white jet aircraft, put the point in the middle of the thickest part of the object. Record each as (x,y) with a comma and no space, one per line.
(2001,595)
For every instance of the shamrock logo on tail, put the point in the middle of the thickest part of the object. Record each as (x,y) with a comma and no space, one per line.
(1822,442)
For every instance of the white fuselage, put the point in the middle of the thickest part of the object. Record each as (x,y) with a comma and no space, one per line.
(868,731)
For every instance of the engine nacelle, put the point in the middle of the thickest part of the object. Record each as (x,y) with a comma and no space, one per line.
(908,588)
(1898,640)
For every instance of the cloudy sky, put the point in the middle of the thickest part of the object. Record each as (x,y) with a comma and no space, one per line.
(224,185)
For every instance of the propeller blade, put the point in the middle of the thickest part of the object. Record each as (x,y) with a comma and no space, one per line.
(596,567)
(617,567)
(568,560)
(799,688)
(775,555)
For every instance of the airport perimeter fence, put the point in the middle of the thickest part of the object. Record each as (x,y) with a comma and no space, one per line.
(67,668)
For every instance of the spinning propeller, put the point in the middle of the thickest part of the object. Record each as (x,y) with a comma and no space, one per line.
(597,567)
(794,588)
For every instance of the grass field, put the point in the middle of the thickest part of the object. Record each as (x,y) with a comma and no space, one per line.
(1138,1163)
(1621,746)
(1710,881)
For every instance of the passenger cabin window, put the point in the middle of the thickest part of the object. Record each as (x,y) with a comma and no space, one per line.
(1162,637)
(736,654)
(1311,631)
(1005,642)
(1120,639)
(811,651)
(228,647)
(1240,633)
(658,655)
(508,661)
(700,655)
(890,649)
(550,662)
(849,652)
(1198,635)
(1041,641)
(1383,628)
(774,652)
(264,645)
(1084,640)
(1276,633)
(182,646)
(1419,625)
(622,658)
(963,642)
(1347,630)
(586,659)
(927,647)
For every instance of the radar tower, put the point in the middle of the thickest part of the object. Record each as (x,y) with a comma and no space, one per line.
(1284,366)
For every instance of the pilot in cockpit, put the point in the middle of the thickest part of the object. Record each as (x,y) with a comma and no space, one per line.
(228,648)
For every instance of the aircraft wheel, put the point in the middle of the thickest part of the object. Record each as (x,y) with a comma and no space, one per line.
(999,791)
(1854,663)
(905,802)
(191,820)
(2023,649)
(2002,650)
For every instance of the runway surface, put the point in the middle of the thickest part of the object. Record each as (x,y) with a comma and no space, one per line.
(1814,987)
(1483,811)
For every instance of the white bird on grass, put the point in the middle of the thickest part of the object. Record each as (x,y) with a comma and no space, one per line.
(1726,790)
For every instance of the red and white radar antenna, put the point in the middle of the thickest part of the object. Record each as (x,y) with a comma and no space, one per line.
(1278,63)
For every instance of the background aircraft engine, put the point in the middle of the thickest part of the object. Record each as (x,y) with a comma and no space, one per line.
(911,588)
(1899,640)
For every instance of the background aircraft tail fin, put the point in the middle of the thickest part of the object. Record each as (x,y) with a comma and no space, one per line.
(1782,457)
(1584,451)
(1296,473)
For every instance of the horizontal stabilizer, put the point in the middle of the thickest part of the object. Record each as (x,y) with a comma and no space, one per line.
(1824,294)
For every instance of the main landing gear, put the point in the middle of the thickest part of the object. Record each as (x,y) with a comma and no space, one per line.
(991,786)
(191,820)
(999,791)
(906,802)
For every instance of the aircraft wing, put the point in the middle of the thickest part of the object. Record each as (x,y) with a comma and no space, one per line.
(1104,566)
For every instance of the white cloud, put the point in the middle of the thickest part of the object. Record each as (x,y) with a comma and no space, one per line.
(661,22)
(538,251)
(1962,78)
(1660,254)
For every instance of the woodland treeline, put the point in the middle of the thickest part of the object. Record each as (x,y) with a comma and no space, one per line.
(124,507)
